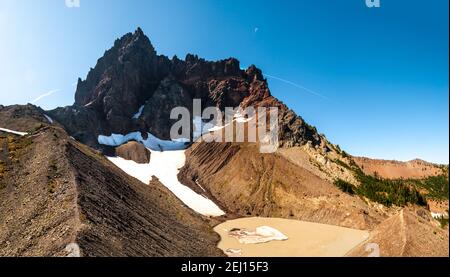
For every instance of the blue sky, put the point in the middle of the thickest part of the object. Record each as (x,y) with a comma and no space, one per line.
(382,72)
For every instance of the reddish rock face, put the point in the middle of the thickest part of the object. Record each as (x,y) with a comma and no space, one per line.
(134,151)
(131,75)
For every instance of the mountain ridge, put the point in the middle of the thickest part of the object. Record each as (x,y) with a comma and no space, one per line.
(74,195)
(131,75)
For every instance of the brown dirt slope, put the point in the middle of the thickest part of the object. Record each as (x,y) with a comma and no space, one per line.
(416,169)
(247,183)
(72,194)
(410,233)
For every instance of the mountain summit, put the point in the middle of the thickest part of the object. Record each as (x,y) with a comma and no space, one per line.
(133,89)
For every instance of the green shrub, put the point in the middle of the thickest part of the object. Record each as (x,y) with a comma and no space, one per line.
(443,221)
(345,186)
(385,191)
(437,186)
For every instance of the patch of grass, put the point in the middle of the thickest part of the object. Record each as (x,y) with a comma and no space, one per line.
(443,221)
(341,163)
(17,145)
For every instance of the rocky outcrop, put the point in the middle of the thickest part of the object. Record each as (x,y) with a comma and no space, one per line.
(155,117)
(126,72)
(131,77)
(134,151)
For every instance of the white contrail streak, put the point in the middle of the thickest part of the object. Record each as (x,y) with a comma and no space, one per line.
(297,86)
(45,95)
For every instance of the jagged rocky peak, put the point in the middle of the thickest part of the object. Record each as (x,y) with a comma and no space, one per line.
(123,71)
(131,77)
(254,73)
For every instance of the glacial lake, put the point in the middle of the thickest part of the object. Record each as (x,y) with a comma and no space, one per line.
(304,239)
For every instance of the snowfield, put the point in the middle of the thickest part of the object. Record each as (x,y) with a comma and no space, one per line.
(167,157)
(156,144)
(240,118)
(13,132)
(152,142)
(165,166)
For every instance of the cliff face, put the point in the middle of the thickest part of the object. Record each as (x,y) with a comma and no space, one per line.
(133,89)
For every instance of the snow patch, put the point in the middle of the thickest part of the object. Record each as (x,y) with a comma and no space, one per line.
(216,128)
(262,234)
(13,132)
(139,113)
(152,142)
(233,252)
(87,105)
(74,250)
(240,118)
(165,166)
(200,186)
(49,119)
(439,215)
(210,127)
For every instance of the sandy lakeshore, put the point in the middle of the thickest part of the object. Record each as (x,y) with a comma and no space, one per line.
(305,239)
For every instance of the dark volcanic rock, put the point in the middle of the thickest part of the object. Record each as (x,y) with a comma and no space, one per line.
(131,75)
(126,73)
(156,114)
(134,151)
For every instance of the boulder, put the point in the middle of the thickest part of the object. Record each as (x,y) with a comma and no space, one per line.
(134,151)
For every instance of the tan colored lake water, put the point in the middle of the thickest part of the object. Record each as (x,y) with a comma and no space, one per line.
(305,239)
